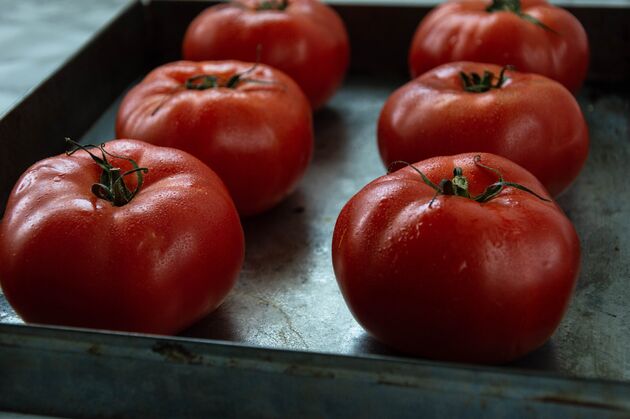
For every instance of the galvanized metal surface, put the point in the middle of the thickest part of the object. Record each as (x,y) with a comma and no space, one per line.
(287,296)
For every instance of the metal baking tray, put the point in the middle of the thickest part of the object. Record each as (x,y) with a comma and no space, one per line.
(284,343)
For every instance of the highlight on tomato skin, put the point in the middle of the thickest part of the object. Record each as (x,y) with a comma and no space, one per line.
(306,39)
(126,236)
(460,258)
(466,106)
(532,35)
(249,122)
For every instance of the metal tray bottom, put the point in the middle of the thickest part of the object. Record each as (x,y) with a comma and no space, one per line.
(287,296)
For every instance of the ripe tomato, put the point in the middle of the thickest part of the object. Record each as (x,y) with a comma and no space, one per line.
(531,35)
(306,39)
(447,277)
(252,126)
(527,118)
(155,261)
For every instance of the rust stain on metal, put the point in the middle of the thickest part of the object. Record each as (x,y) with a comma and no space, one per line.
(310,372)
(176,353)
(95,350)
(579,403)
(395,383)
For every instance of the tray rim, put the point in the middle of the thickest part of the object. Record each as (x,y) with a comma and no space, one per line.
(409,379)
(68,333)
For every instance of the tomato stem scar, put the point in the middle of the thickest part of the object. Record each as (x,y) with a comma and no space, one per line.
(514,6)
(458,185)
(111,186)
(474,83)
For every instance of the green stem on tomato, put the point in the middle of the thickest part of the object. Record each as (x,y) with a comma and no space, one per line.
(458,185)
(514,6)
(273,5)
(111,186)
(202,82)
(208,81)
(474,83)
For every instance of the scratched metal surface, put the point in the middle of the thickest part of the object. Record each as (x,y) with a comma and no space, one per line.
(287,296)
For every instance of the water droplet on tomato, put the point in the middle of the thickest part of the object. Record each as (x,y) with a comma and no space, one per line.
(463,266)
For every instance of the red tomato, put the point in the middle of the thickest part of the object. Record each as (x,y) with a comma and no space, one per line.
(450,278)
(155,263)
(531,35)
(306,39)
(527,118)
(252,126)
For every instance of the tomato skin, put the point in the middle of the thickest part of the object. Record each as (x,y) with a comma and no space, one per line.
(531,120)
(464,31)
(257,137)
(308,41)
(155,265)
(456,280)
